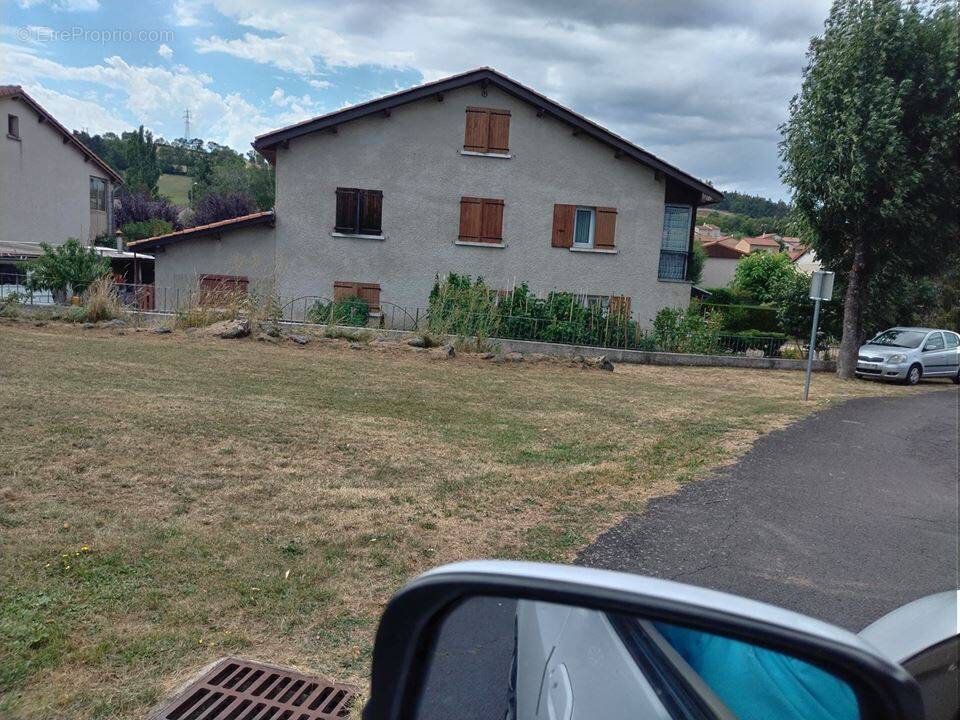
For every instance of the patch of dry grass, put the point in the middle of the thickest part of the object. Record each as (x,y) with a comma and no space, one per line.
(165,500)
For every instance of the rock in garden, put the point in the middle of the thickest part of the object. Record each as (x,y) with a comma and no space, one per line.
(270,329)
(577,359)
(537,357)
(115,323)
(500,359)
(88,326)
(487,356)
(600,362)
(300,339)
(447,351)
(161,330)
(514,357)
(356,346)
(417,342)
(231,329)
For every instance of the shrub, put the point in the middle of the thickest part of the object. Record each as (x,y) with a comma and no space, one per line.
(352,311)
(102,301)
(214,207)
(139,207)
(145,229)
(688,331)
(761,275)
(740,318)
(71,266)
(770,342)
(729,296)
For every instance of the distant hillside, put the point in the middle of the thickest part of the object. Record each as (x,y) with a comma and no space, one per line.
(752,206)
(176,188)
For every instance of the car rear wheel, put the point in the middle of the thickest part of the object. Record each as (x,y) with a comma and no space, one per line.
(914,374)
(956,378)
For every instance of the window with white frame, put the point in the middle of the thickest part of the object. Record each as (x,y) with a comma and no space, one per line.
(584,223)
(675,242)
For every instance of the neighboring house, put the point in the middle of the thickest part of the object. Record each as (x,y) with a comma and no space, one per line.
(473,174)
(723,254)
(52,187)
(805,259)
(768,242)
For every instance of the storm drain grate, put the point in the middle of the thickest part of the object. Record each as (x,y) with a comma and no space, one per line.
(237,689)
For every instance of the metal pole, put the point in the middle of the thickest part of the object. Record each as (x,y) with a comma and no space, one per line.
(812,349)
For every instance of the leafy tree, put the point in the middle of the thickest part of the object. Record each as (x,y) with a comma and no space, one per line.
(869,149)
(761,274)
(140,207)
(143,167)
(71,266)
(752,206)
(742,225)
(146,228)
(697,260)
(214,207)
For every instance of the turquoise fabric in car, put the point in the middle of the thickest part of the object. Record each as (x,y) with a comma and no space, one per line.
(760,684)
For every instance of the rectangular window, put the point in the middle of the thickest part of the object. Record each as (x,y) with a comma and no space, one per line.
(13,126)
(675,243)
(487,130)
(583,227)
(359,211)
(98,194)
(952,340)
(934,342)
(368,292)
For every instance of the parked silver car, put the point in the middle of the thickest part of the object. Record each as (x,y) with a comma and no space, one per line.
(909,354)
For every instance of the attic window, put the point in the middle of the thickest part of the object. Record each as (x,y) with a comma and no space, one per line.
(487,131)
(13,127)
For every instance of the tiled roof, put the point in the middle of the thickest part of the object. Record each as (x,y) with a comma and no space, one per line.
(257,218)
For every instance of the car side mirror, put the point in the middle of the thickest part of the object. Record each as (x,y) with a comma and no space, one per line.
(523,641)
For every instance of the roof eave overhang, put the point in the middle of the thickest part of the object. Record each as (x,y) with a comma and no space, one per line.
(268,143)
(163,240)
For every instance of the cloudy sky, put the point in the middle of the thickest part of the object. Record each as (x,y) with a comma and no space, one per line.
(702,84)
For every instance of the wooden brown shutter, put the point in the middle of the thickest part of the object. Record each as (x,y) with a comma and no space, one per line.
(470,219)
(343,289)
(499,136)
(371,207)
(605,230)
(370,292)
(491,221)
(477,130)
(563,219)
(221,290)
(346,210)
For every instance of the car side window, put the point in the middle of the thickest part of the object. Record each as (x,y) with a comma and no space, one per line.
(952,340)
(934,342)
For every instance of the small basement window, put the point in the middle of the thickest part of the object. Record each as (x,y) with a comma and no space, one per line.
(13,127)
(359,212)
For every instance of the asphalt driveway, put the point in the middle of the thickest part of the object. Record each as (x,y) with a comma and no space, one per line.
(844,516)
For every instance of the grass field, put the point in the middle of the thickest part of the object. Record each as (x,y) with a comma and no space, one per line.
(175,187)
(166,499)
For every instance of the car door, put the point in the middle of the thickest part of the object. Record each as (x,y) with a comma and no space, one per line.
(935,356)
(952,343)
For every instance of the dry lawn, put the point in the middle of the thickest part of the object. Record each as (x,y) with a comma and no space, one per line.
(165,500)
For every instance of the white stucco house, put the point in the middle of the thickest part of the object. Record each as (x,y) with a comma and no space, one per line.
(474,174)
(52,187)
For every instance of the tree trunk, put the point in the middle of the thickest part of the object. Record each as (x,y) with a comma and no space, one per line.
(853,302)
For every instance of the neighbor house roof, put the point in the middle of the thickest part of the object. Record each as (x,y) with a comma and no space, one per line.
(18,93)
(797,252)
(257,218)
(765,240)
(723,247)
(267,143)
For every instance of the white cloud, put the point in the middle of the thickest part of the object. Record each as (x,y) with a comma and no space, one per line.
(186,13)
(703,84)
(165,51)
(64,5)
(320,84)
(156,97)
(77,114)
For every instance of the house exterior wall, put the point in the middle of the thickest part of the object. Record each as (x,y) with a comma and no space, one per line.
(808,263)
(249,252)
(718,272)
(414,157)
(44,183)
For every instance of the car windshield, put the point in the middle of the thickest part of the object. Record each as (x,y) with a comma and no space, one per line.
(899,338)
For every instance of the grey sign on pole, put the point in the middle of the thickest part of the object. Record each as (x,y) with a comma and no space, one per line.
(821,288)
